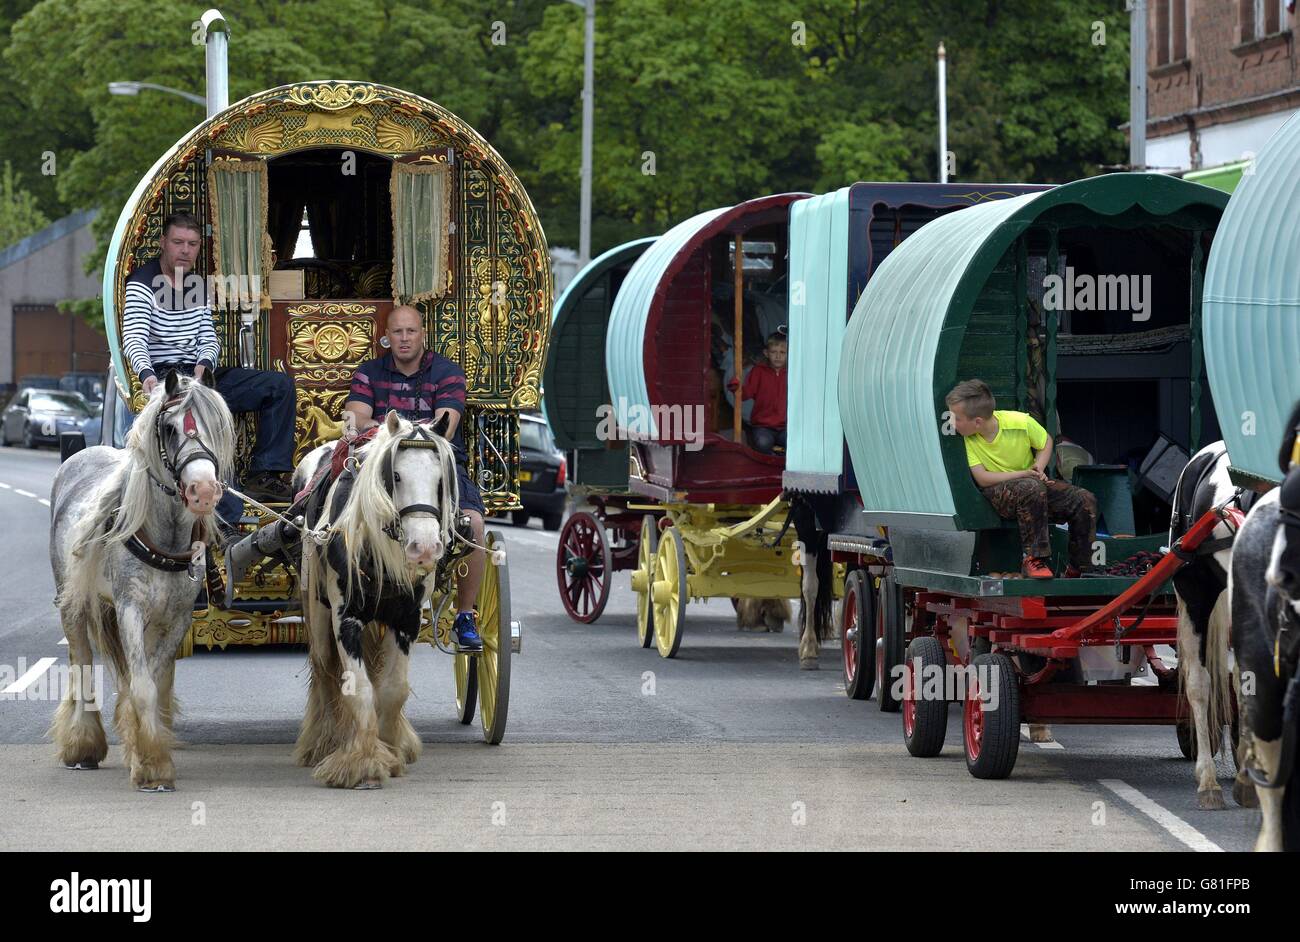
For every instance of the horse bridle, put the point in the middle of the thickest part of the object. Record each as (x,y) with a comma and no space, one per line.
(178,464)
(418,437)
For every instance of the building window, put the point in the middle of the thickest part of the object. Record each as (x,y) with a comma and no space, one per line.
(1260,18)
(1171,31)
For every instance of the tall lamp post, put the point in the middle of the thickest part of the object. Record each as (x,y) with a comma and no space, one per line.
(588,108)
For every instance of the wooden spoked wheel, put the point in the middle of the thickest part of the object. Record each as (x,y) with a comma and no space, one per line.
(645,567)
(487,675)
(669,592)
(583,567)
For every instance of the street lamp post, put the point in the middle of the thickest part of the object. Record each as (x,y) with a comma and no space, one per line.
(133,88)
(588,109)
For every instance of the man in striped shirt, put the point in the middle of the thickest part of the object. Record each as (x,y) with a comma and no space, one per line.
(423,386)
(167,325)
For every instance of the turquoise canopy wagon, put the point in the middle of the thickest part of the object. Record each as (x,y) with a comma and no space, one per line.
(1080,304)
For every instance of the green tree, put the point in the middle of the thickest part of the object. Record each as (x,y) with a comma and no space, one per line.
(20,215)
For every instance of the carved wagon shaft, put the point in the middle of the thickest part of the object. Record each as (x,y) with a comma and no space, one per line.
(670,349)
(593,544)
(965,297)
(379,177)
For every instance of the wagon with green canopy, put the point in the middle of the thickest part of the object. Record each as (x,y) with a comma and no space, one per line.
(596,543)
(1080,305)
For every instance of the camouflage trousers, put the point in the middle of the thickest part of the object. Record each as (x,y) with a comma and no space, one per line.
(1034,505)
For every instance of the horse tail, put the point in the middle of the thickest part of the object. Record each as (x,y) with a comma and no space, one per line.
(822,610)
(1214,655)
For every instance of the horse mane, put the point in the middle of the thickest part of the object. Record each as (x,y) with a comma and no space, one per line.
(128,490)
(370,508)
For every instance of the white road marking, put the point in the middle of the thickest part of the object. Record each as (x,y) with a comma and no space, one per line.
(63,641)
(42,500)
(23,493)
(1162,816)
(5,486)
(35,671)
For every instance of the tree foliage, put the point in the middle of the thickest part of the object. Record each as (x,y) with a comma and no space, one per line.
(697,105)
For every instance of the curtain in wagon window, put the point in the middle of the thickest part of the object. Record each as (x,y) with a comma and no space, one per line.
(421,201)
(237,193)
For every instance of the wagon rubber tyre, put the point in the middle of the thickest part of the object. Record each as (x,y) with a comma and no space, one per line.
(584,567)
(925,721)
(857,631)
(1185,730)
(992,734)
(646,549)
(669,592)
(891,619)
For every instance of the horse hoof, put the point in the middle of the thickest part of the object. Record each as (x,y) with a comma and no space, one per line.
(367,785)
(808,664)
(161,788)
(1244,794)
(1210,799)
(86,765)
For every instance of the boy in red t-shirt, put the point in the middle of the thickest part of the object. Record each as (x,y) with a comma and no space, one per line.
(766,385)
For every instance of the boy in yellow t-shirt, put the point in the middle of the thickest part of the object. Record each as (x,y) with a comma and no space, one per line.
(1008,453)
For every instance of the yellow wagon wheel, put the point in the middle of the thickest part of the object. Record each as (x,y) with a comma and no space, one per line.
(488,674)
(669,592)
(645,571)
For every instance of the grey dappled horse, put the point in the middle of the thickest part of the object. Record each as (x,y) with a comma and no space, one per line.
(128,529)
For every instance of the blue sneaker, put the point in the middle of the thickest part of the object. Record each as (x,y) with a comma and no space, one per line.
(467,636)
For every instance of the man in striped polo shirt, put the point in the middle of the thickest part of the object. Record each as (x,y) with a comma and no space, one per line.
(422,386)
(167,325)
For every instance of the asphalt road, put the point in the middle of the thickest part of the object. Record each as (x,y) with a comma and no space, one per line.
(609,746)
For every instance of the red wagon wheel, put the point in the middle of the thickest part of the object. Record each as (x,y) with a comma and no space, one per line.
(583,567)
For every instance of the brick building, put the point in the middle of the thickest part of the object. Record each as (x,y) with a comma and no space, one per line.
(1222,77)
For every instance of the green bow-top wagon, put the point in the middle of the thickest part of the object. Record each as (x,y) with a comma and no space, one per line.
(1080,304)
(593,544)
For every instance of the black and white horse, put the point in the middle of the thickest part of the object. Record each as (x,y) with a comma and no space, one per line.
(1204,624)
(128,536)
(1265,593)
(389,525)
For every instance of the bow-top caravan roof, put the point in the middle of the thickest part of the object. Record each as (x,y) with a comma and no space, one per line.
(659,330)
(1252,308)
(953,301)
(574,379)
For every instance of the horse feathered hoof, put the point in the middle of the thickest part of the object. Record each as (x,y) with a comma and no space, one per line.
(808,664)
(368,785)
(1211,799)
(1244,794)
(157,788)
(86,765)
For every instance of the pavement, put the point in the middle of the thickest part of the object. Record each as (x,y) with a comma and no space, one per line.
(727,746)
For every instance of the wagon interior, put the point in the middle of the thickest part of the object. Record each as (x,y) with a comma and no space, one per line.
(1119,383)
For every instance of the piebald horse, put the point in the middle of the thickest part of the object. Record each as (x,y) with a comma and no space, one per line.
(1264,589)
(1203,617)
(389,523)
(128,536)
